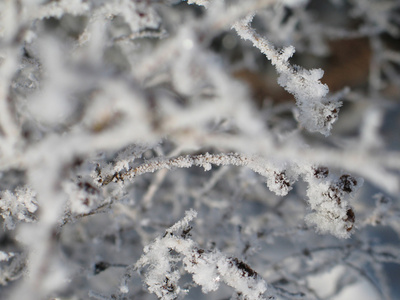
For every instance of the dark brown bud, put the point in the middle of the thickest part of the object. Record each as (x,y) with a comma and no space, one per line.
(347,183)
(321,172)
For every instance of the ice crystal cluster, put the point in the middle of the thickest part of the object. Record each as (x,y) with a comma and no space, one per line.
(199,149)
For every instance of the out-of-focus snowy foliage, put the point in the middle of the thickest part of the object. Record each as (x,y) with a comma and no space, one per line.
(200,149)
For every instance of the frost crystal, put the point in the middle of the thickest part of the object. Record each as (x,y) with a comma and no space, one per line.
(120,117)
(208,268)
(317,112)
(328,198)
(18,206)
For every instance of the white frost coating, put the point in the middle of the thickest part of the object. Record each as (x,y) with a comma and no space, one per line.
(208,268)
(58,8)
(203,268)
(4,256)
(331,212)
(18,206)
(82,197)
(278,180)
(189,216)
(124,289)
(204,3)
(113,83)
(251,287)
(136,14)
(279,183)
(328,195)
(294,3)
(316,112)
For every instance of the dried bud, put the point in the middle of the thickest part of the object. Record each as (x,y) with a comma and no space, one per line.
(247,271)
(350,219)
(321,172)
(347,183)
